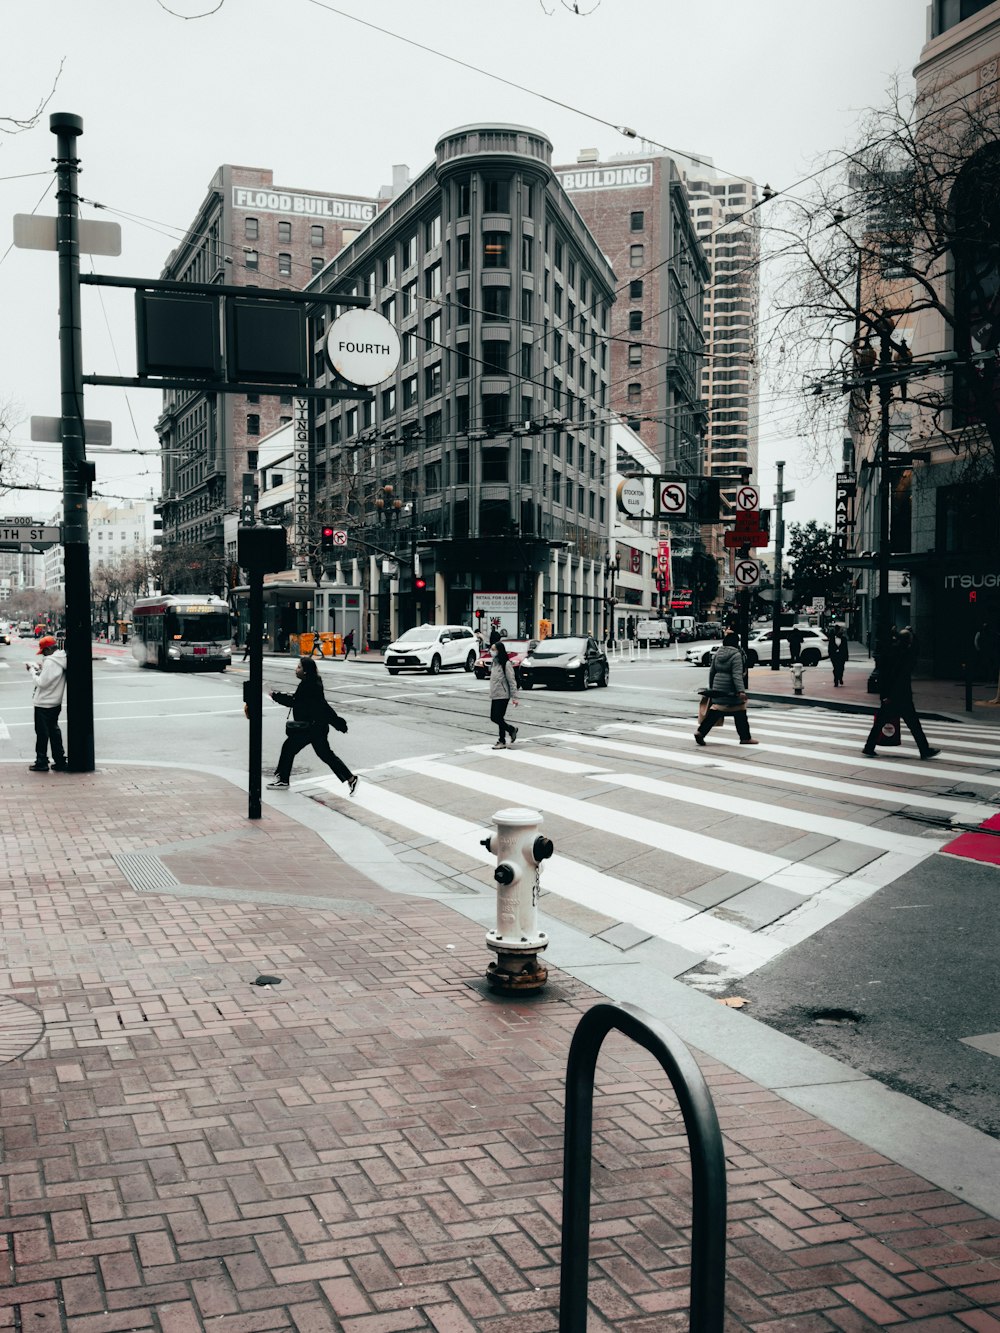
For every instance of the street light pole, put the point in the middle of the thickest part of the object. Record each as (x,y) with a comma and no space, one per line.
(779,548)
(79,655)
(884,490)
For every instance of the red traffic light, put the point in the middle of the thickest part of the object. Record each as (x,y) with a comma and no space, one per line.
(419,584)
(326,539)
(479,613)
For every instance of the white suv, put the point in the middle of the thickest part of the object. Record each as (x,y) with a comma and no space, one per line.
(431,647)
(814,646)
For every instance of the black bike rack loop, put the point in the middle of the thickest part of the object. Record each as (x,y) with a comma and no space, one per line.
(708,1164)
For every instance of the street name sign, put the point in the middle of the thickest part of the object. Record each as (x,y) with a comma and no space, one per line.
(734,540)
(37,232)
(39,536)
(48,430)
(363,348)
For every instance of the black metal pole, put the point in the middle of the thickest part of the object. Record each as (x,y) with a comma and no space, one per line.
(885,399)
(79,654)
(255,689)
(779,547)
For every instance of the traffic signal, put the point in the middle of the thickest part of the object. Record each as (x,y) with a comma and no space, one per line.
(479,613)
(708,500)
(420,584)
(326,539)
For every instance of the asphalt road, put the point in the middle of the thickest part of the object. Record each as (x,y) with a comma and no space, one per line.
(894,987)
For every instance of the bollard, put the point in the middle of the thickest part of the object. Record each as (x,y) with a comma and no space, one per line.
(520,849)
(798,672)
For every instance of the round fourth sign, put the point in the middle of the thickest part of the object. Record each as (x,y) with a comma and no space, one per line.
(362,347)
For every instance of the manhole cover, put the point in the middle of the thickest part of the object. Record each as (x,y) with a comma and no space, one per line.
(20,1028)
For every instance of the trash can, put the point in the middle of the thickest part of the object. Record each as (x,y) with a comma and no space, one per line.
(326,643)
(305,642)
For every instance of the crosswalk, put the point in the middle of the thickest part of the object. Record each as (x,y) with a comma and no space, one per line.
(729,855)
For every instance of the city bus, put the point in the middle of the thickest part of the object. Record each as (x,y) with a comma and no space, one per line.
(178,633)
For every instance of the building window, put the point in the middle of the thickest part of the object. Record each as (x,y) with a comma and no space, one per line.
(432,282)
(527,246)
(495,357)
(432,232)
(464,198)
(253,424)
(253,397)
(409,392)
(496,195)
(250,258)
(409,299)
(634,321)
(634,393)
(496,304)
(389,402)
(317,264)
(559,253)
(251,228)
(495,465)
(432,331)
(462,363)
(389,309)
(526,361)
(462,467)
(463,252)
(409,347)
(496,411)
(526,307)
(637,221)
(462,305)
(284,232)
(409,252)
(461,415)
(432,380)
(557,300)
(636,256)
(635,354)
(496,249)
(389,271)
(433,432)
(285,265)
(571,276)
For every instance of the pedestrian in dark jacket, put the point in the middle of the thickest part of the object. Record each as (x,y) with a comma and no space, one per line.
(795,643)
(838,653)
(895,687)
(728,691)
(349,645)
(503,691)
(309,707)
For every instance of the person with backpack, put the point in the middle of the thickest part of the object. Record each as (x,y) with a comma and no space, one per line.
(310,724)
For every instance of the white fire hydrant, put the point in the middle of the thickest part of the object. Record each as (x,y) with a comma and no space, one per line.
(798,674)
(520,849)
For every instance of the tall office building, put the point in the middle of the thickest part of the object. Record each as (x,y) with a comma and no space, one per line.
(248,232)
(638,211)
(484,460)
(728,231)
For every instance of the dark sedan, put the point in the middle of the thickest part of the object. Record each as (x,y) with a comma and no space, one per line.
(565,659)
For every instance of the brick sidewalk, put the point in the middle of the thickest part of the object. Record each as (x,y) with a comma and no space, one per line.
(374,1144)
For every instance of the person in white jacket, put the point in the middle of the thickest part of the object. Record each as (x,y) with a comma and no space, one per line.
(50,686)
(503,691)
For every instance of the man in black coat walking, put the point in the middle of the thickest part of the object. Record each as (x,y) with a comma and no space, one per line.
(895,671)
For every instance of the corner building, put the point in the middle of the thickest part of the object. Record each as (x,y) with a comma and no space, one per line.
(248,232)
(481,468)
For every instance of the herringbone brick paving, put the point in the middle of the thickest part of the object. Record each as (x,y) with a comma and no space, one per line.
(373,1145)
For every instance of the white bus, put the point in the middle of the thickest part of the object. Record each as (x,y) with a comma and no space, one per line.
(182,633)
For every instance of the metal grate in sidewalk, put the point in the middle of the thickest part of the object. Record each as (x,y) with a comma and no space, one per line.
(145,872)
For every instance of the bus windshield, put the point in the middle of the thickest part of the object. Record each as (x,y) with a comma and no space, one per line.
(197,628)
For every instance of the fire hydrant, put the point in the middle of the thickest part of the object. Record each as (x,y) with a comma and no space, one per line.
(798,672)
(520,850)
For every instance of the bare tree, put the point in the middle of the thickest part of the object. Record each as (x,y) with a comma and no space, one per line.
(18,124)
(898,233)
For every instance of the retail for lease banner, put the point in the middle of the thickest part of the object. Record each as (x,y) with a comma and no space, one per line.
(499,613)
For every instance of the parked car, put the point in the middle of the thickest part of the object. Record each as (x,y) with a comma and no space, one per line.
(565,659)
(5,634)
(431,648)
(653,631)
(814,647)
(517,649)
(702,653)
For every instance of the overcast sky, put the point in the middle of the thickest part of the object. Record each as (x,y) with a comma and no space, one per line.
(763,87)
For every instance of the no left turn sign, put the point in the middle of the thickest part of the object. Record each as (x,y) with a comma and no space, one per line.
(672,498)
(748,497)
(339,537)
(746,573)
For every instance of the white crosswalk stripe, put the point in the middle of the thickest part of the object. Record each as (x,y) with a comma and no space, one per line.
(761,902)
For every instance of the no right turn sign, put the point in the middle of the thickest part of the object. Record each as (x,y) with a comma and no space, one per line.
(746,573)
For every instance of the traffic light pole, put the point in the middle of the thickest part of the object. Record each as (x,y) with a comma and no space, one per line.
(79,653)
